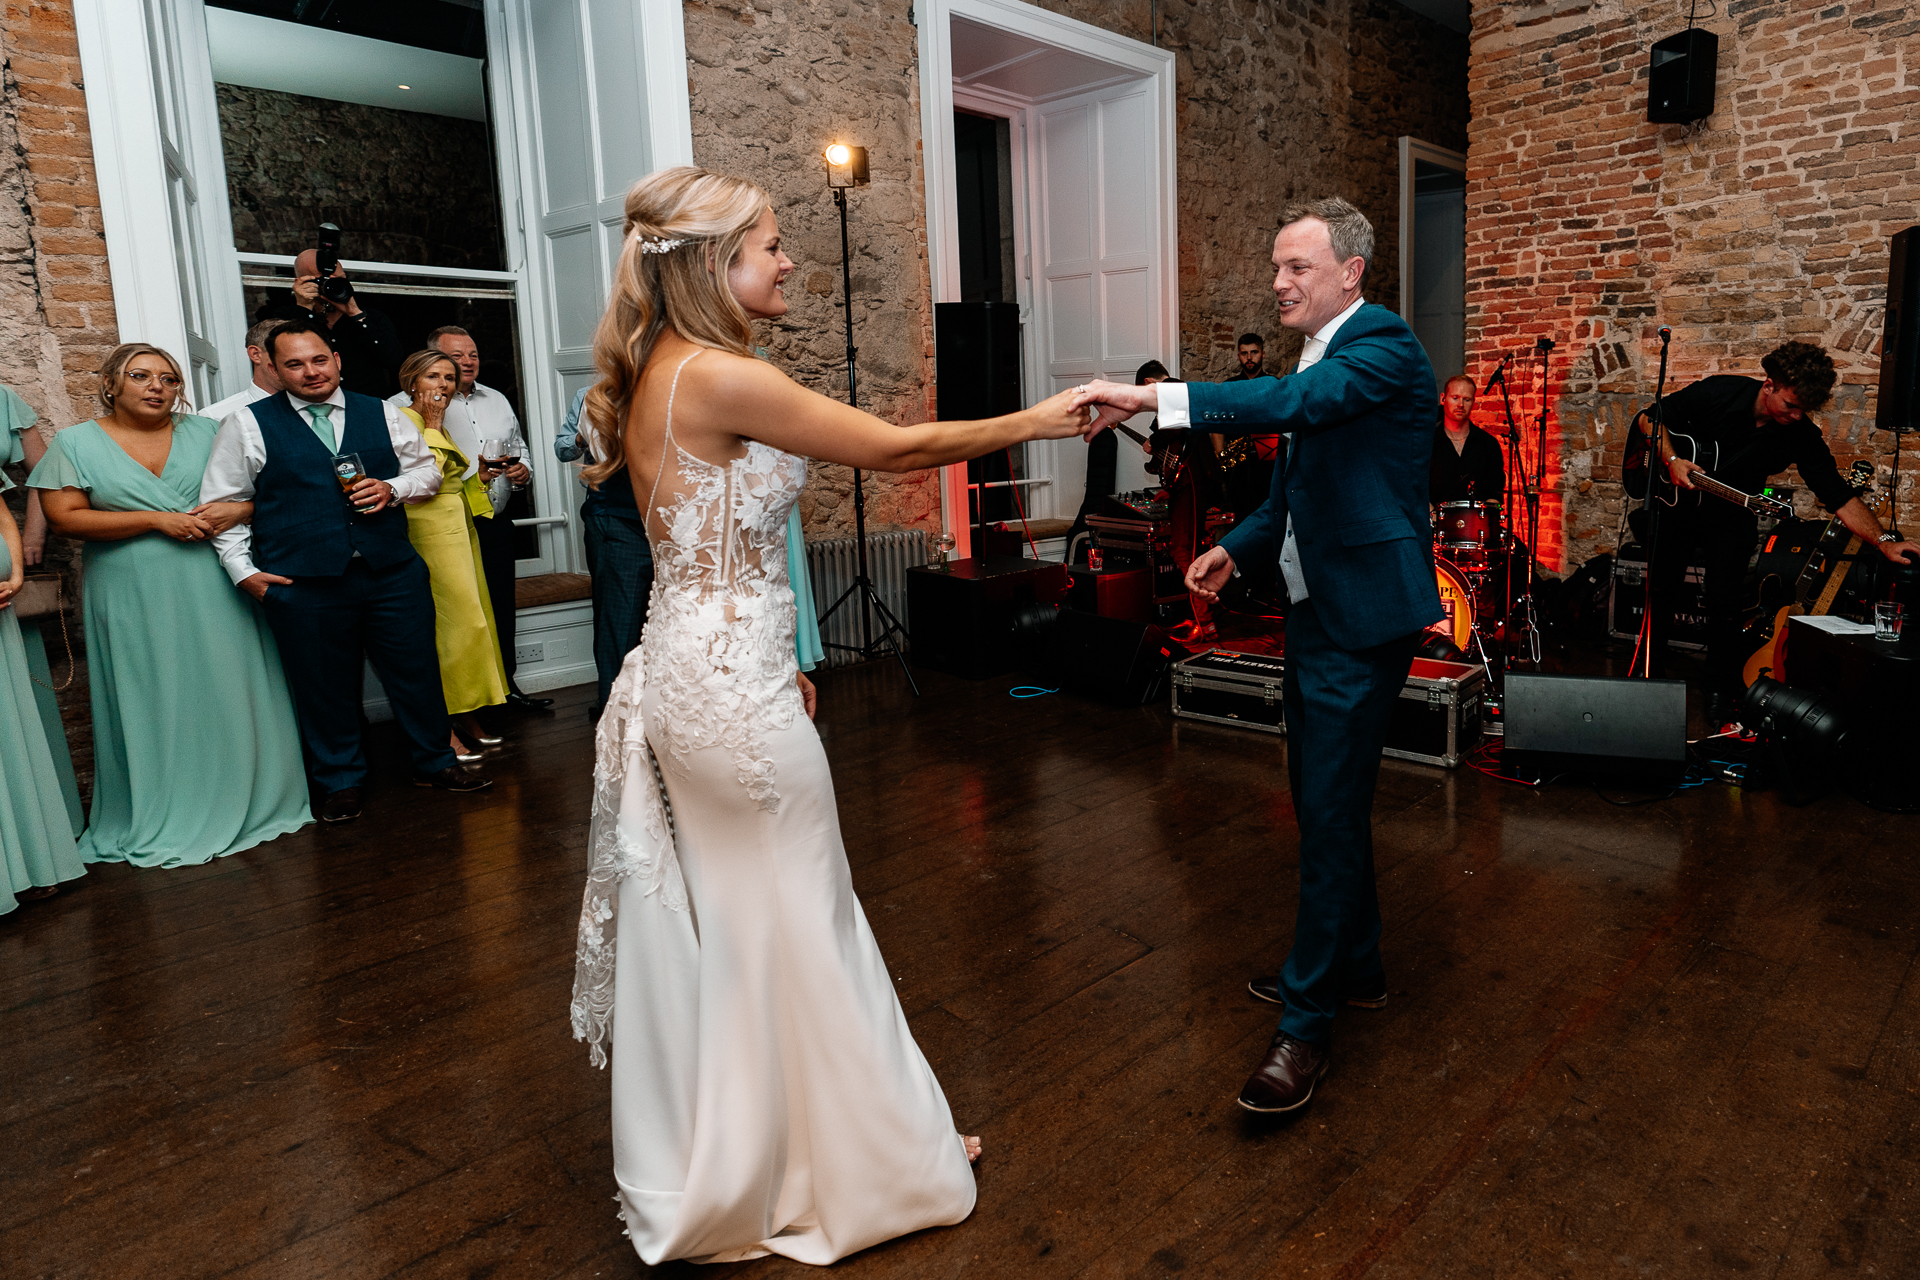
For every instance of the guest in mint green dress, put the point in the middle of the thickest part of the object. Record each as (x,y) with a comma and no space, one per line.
(196,752)
(36,839)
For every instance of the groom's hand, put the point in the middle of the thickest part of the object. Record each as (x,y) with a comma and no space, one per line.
(1209,572)
(1116,402)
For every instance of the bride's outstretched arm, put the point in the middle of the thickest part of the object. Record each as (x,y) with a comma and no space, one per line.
(787,416)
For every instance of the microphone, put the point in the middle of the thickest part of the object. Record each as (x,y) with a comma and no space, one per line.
(1500,374)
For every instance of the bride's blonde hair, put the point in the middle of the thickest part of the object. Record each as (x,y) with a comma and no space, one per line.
(679,221)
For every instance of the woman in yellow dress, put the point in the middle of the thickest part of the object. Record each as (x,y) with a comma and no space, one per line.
(441,530)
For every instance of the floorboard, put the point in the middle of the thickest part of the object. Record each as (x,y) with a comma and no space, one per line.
(1678,1039)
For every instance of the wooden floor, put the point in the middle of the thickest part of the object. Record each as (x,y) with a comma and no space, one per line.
(1674,1040)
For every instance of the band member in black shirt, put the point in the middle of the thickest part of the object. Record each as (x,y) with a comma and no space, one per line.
(1760,428)
(1249,463)
(1467,464)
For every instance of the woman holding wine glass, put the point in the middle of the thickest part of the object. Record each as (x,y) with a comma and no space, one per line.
(442,531)
(196,753)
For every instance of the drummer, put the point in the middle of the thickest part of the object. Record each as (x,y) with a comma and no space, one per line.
(1467,464)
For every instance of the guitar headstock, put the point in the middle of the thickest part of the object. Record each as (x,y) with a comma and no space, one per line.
(1771,507)
(1860,479)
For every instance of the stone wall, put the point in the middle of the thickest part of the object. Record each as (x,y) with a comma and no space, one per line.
(426,182)
(1766,222)
(1277,99)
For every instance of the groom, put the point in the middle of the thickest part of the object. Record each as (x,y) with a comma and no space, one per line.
(1346,520)
(335,573)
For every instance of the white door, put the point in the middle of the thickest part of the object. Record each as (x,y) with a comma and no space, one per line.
(156,131)
(1099,268)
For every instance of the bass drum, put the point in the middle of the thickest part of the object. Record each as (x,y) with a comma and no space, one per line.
(1456,601)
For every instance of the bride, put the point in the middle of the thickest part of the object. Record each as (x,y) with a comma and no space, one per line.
(767,1094)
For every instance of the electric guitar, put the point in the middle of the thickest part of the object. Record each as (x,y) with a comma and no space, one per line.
(1637,468)
(1812,597)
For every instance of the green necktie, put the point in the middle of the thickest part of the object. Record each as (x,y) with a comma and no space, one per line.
(319,415)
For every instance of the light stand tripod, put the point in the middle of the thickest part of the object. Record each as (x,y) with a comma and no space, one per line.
(847,167)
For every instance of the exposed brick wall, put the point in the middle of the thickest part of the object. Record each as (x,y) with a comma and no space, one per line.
(1766,222)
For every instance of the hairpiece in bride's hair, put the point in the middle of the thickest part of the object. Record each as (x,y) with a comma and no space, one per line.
(657,244)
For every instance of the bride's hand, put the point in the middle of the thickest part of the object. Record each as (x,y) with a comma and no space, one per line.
(809,696)
(1056,417)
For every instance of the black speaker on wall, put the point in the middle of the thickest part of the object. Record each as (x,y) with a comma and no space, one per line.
(1680,81)
(976,369)
(1900,344)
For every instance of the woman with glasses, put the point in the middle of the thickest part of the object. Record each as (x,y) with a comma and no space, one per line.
(196,754)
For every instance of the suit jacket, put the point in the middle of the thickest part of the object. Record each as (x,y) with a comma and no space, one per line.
(1354,479)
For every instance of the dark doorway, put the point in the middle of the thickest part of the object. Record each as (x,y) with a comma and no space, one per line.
(983,188)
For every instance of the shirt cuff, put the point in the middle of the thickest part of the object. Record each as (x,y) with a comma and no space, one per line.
(415,483)
(235,549)
(1173,406)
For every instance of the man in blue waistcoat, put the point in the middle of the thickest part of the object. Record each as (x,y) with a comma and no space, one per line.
(334,570)
(1346,521)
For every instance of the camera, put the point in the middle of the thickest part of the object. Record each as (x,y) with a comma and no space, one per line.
(335,289)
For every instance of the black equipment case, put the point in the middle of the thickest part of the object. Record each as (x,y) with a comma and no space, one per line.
(1436,721)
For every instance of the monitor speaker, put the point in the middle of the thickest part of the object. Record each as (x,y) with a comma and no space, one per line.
(1604,725)
(976,358)
(1680,81)
(1900,345)
(1112,659)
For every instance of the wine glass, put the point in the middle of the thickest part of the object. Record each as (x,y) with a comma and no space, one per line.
(347,469)
(496,454)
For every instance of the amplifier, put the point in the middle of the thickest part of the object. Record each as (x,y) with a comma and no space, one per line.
(1436,720)
(964,617)
(1627,596)
(1111,593)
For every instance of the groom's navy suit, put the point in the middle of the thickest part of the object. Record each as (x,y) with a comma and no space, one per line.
(1354,482)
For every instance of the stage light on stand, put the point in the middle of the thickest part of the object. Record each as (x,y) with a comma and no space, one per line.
(846,166)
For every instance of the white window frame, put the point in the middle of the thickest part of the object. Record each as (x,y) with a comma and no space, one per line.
(938,98)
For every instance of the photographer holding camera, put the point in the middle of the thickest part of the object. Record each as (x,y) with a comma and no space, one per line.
(365,340)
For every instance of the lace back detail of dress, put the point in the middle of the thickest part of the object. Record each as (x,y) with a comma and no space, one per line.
(717,652)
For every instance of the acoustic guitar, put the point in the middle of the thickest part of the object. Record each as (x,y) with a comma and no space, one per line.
(1819,582)
(1637,469)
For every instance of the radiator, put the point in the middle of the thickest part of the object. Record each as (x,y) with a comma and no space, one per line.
(833,564)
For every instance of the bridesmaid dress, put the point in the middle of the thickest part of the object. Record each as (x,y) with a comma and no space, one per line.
(196,753)
(442,531)
(768,1096)
(36,838)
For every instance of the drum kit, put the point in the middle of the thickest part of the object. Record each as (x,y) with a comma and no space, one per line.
(1472,553)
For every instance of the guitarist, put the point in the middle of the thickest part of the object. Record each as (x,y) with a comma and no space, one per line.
(1756,429)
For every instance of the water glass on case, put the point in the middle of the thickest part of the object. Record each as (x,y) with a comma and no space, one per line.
(1887,617)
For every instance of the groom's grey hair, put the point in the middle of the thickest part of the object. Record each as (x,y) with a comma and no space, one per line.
(1347,227)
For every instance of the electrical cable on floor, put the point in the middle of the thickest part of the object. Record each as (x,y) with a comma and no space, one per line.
(1028,691)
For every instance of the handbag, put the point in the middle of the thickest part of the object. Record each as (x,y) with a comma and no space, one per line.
(43,595)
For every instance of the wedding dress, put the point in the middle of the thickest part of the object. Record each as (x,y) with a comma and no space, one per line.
(767,1094)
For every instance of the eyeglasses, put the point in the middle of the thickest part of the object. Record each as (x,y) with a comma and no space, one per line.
(140,378)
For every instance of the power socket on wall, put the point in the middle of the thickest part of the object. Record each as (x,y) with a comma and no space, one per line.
(530,653)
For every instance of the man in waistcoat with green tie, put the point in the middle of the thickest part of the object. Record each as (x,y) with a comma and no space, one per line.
(334,569)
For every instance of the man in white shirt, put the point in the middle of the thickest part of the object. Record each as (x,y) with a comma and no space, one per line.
(265,380)
(478,414)
(1346,518)
(335,572)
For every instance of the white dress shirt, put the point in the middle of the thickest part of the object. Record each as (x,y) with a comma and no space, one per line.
(240,451)
(252,393)
(472,417)
(1173,414)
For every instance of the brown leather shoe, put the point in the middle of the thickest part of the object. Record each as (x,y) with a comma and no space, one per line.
(340,806)
(452,778)
(1268,989)
(1286,1078)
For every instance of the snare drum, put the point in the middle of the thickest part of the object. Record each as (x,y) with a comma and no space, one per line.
(1470,533)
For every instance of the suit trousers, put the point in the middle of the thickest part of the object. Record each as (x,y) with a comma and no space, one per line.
(621,563)
(1337,703)
(323,625)
(497,559)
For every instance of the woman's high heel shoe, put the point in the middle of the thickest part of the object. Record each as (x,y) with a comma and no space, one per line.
(476,732)
(460,751)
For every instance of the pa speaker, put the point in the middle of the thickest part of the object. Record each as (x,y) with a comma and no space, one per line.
(1900,346)
(1107,658)
(976,359)
(1680,81)
(1596,725)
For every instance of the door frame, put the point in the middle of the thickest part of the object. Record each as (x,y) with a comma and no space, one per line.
(937,101)
(1411,150)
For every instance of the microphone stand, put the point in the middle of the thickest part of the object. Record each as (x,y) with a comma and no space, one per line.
(1530,621)
(870,601)
(1645,666)
(1516,487)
